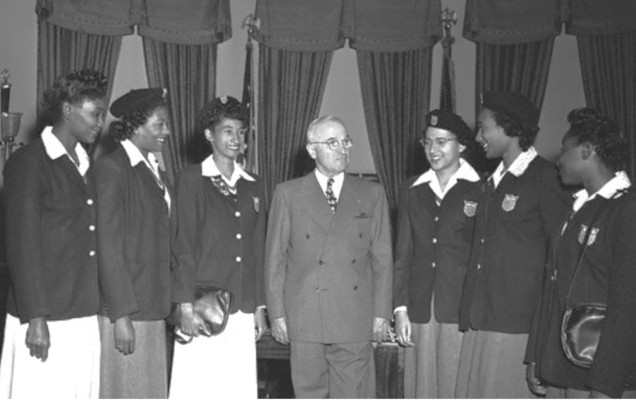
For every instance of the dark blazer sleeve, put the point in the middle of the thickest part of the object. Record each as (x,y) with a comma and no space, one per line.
(115,280)
(278,239)
(24,200)
(614,360)
(184,267)
(554,200)
(381,257)
(259,244)
(403,252)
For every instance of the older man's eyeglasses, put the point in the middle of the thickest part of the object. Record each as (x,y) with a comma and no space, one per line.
(333,143)
(439,142)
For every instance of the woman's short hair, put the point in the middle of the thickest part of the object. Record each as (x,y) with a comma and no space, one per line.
(73,88)
(515,113)
(218,109)
(133,110)
(590,126)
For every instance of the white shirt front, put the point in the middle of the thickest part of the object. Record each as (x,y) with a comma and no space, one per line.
(338,181)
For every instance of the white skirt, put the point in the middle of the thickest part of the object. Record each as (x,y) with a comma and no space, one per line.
(71,370)
(220,367)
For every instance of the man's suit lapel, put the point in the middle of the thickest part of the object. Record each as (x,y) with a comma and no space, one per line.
(315,202)
(348,207)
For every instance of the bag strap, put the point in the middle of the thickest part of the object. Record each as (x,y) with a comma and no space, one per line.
(585,244)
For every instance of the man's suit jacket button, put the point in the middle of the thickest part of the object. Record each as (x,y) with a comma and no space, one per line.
(360,234)
(320,262)
(307,236)
(355,287)
(353,261)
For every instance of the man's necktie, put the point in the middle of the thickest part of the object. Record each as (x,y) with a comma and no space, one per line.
(331,198)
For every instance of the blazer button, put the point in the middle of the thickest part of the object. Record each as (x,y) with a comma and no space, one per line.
(353,261)
(238,259)
(307,236)
(320,262)
(89,202)
(91,253)
(478,266)
(237,214)
(91,228)
(433,264)
(355,287)
(238,236)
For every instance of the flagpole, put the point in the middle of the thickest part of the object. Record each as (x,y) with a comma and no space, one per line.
(250,94)
(447,92)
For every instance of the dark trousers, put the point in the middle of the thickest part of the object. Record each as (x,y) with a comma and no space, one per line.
(340,370)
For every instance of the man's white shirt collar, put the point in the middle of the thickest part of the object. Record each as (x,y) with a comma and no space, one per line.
(338,181)
(518,166)
(55,149)
(619,182)
(465,172)
(209,169)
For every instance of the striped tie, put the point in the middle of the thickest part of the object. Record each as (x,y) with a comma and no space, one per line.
(331,198)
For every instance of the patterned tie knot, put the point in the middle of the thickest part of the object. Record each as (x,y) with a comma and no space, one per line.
(331,198)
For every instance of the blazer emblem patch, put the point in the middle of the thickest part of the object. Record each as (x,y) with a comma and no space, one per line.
(257,204)
(582,233)
(470,208)
(509,202)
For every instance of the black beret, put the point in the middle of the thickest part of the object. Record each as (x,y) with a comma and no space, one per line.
(516,106)
(448,121)
(137,99)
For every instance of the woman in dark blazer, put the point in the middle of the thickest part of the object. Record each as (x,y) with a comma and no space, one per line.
(520,204)
(435,232)
(220,243)
(592,155)
(51,250)
(133,242)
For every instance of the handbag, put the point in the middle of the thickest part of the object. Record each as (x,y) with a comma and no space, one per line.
(212,305)
(582,323)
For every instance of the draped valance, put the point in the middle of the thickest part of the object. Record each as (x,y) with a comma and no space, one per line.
(600,17)
(511,21)
(522,21)
(371,25)
(180,22)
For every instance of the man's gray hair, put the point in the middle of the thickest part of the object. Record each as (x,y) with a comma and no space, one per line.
(321,121)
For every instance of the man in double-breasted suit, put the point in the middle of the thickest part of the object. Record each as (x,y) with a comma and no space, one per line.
(328,270)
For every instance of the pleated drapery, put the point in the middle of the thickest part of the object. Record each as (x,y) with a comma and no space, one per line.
(189,74)
(608,66)
(395,96)
(291,88)
(61,51)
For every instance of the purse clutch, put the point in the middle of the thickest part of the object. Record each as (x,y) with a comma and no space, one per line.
(581,332)
(212,305)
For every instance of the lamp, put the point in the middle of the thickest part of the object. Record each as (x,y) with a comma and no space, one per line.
(9,121)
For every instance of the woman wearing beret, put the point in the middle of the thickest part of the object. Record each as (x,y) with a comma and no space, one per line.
(220,243)
(133,242)
(51,347)
(520,205)
(435,231)
(604,212)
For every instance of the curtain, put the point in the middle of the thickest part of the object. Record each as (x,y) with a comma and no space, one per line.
(520,68)
(395,96)
(608,66)
(291,87)
(189,74)
(61,51)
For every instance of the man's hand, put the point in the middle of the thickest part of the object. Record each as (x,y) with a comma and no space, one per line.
(37,338)
(260,323)
(124,335)
(279,330)
(403,328)
(534,383)
(380,329)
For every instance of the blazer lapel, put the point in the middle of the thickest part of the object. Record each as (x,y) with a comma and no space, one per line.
(427,197)
(71,171)
(148,179)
